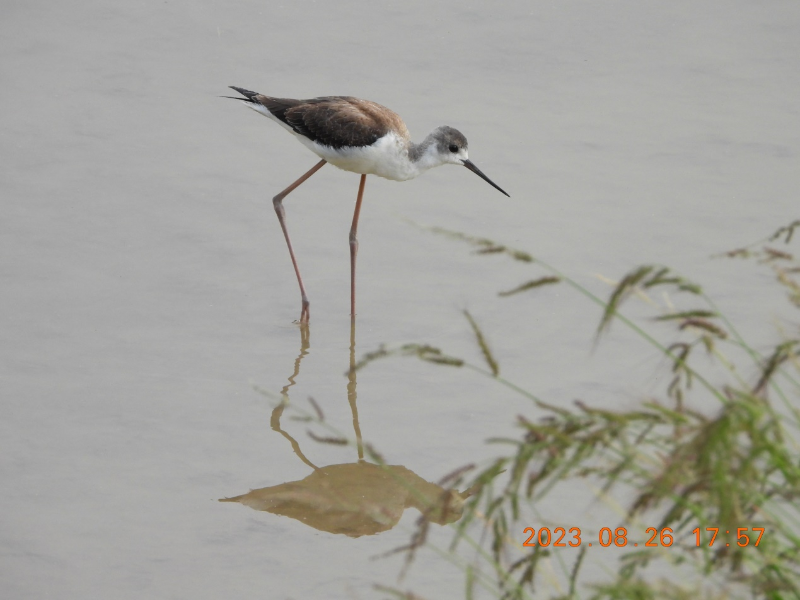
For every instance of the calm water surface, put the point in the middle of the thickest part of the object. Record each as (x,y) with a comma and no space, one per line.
(146,291)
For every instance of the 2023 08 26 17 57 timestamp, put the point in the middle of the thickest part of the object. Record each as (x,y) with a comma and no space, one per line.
(560,537)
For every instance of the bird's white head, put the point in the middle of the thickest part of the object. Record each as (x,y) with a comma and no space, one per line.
(446,145)
(449,145)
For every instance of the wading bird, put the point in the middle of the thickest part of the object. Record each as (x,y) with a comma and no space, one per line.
(359,136)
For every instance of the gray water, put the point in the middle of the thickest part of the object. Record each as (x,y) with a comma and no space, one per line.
(145,286)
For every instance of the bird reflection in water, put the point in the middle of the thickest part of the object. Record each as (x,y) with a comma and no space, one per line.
(353,499)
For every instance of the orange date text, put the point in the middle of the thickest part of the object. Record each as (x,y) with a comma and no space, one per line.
(561,537)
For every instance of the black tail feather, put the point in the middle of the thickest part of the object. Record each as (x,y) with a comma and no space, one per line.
(248,95)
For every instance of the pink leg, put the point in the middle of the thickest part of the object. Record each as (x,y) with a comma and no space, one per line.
(354,247)
(277,202)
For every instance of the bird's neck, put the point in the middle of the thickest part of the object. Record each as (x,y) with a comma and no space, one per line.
(424,155)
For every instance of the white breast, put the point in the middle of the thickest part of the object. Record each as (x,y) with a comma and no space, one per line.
(387,157)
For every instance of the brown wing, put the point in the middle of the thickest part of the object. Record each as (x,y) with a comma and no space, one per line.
(335,121)
(340,121)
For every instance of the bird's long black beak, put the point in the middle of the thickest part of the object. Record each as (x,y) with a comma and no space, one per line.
(471,166)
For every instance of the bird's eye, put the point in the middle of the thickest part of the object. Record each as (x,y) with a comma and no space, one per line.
(453,148)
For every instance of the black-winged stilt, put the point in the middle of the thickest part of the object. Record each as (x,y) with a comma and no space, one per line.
(359,136)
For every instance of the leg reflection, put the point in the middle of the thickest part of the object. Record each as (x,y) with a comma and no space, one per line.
(352,395)
(275,419)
